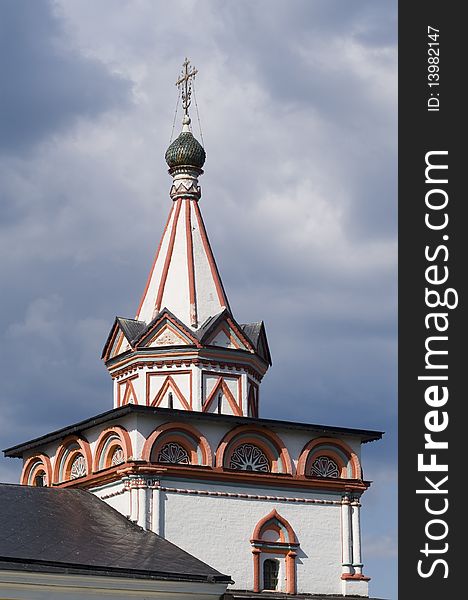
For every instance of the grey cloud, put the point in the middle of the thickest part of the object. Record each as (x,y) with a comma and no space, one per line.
(46,85)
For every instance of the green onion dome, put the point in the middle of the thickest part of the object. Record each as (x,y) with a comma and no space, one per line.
(185,151)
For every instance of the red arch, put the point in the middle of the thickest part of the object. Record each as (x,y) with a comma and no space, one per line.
(285,547)
(270,518)
(165,430)
(315,444)
(224,446)
(84,447)
(44,460)
(125,443)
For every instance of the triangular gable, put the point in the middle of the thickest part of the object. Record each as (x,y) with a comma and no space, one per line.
(167,335)
(263,349)
(121,336)
(166,330)
(256,333)
(221,386)
(226,333)
(169,385)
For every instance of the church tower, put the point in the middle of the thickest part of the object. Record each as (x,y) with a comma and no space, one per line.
(184,349)
(183,452)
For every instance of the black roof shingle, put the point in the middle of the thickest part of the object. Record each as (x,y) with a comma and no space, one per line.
(47,529)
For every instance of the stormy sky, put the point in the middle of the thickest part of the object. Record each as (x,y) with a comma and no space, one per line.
(297,103)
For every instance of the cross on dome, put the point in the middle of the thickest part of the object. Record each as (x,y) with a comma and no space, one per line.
(185,83)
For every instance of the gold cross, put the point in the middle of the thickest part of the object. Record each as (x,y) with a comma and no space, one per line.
(185,82)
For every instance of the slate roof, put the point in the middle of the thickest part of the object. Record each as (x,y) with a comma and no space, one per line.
(131,327)
(252,330)
(48,529)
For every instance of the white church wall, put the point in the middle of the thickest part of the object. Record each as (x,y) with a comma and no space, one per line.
(203,525)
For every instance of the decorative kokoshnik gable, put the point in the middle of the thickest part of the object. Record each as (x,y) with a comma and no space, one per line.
(184,453)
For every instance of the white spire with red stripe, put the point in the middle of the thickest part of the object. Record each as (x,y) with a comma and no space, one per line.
(184,277)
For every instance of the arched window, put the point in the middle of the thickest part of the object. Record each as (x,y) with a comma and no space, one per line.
(177,444)
(113,448)
(323,466)
(249,457)
(40,479)
(78,467)
(173,453)
(118,456)
(252,448)
(270,574)
(274,551)
(37,471)
(330,458)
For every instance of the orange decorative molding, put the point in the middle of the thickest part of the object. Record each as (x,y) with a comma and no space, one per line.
(168,432)
(273,519)
(355,576)
(286,546)
(154,262)
(167,319)
(221,385)
(151,374)
(123,441)
(229,442)
(129,395)
(169,383)
(312,449)
(32,467)
(205,356)
(167,262)
(211,261)
(191,266)
(63,449)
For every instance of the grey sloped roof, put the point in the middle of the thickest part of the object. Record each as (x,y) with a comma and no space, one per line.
(72,528)
(131,328)
(257,335)
(252,330)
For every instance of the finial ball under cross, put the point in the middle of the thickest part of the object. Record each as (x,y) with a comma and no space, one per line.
(185,83)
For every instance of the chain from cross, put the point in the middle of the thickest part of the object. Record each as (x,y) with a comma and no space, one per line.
(185,82)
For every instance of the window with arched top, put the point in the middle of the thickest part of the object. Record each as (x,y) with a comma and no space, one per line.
(37,471)
(113,448)
(118,456)
(173,453)
(248,457)
(323,466)
(253,448)
(78,467)
(270,574)
(274,549)
(40,479)
(177,444)
(328,458)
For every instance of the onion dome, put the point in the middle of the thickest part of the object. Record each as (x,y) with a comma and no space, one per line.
(185,150)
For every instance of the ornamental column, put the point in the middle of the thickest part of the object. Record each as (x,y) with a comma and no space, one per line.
(356,528)
(256,563)
(346,535)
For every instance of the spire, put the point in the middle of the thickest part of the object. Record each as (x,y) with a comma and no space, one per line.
(184,350)
(184,277)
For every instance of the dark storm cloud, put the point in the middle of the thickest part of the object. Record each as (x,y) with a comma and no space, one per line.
(297,101)
(45,86)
